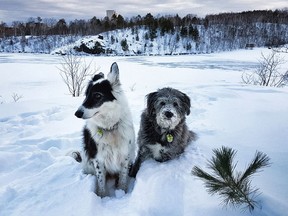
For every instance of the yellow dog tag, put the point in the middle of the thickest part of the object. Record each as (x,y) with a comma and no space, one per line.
(169,138)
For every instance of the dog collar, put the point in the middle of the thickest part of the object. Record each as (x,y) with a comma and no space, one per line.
(100,131)
(169,138)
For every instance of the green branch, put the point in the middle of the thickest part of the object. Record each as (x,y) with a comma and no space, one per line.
(234,187)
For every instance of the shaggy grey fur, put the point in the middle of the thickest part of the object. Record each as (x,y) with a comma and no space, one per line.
(163,133)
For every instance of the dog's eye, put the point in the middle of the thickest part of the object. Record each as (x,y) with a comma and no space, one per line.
(97,95)
(162,103)
(175,104)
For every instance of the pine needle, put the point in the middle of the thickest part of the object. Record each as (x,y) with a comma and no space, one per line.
(234,187)
(260,160)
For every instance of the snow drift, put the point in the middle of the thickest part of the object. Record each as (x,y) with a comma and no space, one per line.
(37,178)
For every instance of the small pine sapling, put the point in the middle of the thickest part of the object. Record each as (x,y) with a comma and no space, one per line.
(234,187)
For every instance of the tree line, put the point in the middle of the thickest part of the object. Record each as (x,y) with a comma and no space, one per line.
(167,24)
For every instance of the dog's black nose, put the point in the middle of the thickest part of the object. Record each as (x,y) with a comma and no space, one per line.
(168,114)
(79,113)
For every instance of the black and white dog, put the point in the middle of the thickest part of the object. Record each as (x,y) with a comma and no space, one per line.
(163,133)
(108,136)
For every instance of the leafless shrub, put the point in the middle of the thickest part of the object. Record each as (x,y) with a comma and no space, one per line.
(16,97)
(268,72)
(132,88)
(282,49)
(74,70)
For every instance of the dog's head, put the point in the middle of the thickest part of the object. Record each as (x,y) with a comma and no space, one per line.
(169,106)
(101,98)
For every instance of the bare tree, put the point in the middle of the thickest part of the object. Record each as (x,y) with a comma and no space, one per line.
(74,70)
(283,49)
(268,72)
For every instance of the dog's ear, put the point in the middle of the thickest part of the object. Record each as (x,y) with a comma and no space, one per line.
(113,76)
(151,99)
(98,76)
(186,103)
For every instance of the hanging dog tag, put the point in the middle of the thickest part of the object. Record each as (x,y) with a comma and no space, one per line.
(169,138)
(99,132)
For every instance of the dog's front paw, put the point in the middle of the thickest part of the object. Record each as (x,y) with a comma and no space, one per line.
(123,188)
(163,156)
(119,193)
(101,192)
(123,183)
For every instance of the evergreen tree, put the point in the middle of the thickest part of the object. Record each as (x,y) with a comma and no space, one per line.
(112,39)
(120,21)
(124,45)
(152,33)
(194,33)
(184,31)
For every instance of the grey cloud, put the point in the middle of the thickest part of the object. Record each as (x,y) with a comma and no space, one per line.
(12,10)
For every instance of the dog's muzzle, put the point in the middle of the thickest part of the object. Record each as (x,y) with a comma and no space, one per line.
(85,113)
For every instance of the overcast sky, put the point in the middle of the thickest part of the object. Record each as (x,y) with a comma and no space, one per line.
(21,10)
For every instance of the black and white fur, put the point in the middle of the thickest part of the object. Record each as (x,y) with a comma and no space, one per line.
(163,133)
(108,136)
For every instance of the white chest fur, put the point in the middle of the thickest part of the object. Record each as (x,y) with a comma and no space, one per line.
(114,147)
(112,151)
(157,149)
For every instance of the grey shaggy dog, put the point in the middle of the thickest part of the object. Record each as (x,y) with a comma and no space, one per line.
(163,133)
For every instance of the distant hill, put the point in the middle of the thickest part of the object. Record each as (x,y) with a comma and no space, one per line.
(154,36)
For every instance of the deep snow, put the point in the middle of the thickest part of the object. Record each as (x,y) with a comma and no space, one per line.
(37,178)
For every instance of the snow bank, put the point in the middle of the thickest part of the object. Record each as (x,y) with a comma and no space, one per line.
(37,178)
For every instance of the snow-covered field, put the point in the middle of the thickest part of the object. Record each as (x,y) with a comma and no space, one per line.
(36,178)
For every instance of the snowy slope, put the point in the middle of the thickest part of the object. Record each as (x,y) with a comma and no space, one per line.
(111,43)
(37,178)
(142,40)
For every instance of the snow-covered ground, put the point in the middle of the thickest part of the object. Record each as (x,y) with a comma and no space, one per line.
(36,132)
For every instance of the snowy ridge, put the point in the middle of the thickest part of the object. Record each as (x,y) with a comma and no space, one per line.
(111,43)
(138,40)
(37,178)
